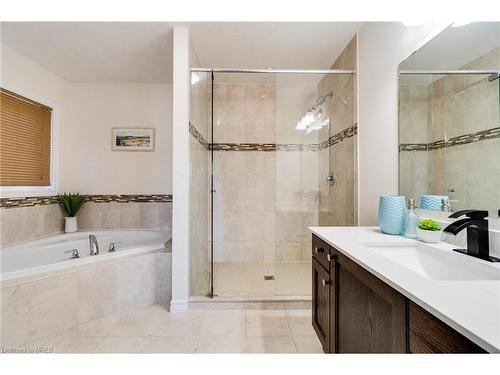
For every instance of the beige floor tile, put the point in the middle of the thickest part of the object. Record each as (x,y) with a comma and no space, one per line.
(267,323)
(270,345)
(293,279)
(300,322)
(247,279)
(223,323)
(220,345)
(180,324)
(308,344)
(76,344)
(99,327)
(171,345)
(140,322)
(122,345)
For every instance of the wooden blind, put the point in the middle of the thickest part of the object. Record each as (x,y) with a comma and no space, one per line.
(24,141)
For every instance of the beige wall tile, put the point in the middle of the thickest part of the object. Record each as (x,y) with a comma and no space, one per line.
(136,281)
(15,328)
(53,306)
(110,215)
(130,216)
(97,292)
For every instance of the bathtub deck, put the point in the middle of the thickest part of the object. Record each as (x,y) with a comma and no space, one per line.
(153,329)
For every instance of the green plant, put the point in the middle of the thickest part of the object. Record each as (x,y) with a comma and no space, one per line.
(71,202)
(429,224)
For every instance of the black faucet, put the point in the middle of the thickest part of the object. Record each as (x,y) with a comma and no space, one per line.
(477,233)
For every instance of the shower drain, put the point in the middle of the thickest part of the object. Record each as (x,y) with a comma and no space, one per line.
(269,277)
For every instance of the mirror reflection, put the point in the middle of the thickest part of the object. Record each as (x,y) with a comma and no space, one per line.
(449,122)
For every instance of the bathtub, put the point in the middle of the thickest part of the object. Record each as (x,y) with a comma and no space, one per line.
(54,253)
(45,293)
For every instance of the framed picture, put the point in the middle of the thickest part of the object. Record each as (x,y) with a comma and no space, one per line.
(133,139)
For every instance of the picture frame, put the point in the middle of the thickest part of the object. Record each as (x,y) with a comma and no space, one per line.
(132,139)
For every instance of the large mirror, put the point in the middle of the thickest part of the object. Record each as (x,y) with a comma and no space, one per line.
(449,121)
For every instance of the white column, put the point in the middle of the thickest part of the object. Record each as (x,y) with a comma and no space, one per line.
(381,47)
(180,170)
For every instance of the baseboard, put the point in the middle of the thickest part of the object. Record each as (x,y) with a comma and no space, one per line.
(179,306)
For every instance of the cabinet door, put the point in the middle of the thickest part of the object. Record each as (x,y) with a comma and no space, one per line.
(370,315)
(321,303)
(428,334)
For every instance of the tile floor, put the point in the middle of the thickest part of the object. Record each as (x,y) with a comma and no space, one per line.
(153,329)
(247,279)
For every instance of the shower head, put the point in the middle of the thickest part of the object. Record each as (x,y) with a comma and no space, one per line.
(312,119)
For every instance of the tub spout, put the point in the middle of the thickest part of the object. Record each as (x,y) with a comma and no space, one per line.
(94,246)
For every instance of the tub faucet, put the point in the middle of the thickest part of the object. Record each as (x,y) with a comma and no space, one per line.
(477,233)
(94,246)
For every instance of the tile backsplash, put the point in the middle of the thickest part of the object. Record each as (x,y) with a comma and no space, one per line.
(42,217)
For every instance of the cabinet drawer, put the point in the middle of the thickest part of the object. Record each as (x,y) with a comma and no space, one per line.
(428,334)
(321,252)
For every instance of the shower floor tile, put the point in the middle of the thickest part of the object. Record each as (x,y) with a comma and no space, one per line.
(248,279)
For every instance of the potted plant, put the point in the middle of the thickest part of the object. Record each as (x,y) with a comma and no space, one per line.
(71,202)
(429,230)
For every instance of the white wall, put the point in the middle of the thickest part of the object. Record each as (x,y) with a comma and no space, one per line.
(87,163)
(85,114)
(181,170)
(381,47)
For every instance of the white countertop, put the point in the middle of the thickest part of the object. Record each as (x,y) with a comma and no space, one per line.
(472,307)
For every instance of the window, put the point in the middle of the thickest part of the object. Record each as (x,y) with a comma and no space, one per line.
(25,141)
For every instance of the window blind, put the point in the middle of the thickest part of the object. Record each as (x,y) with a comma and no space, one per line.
(24,141)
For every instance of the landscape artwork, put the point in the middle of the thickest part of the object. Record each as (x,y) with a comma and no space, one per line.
(133,139)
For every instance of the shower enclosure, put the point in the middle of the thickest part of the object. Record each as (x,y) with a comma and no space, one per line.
(272,153)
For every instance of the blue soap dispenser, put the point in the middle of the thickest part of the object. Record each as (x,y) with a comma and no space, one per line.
(411,220)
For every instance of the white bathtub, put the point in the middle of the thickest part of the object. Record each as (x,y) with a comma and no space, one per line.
(36,257)
(46,294)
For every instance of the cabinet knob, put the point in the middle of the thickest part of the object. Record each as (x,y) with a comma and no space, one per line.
(328,257)
(318,249)
(325,282)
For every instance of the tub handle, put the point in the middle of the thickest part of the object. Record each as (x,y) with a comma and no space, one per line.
(74,253)
(112,246)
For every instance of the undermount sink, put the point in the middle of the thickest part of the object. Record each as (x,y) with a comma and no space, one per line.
(434,263)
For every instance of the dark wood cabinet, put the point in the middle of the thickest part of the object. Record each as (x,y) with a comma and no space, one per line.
(356,312)
(321,306)
(371,316)
(428,334)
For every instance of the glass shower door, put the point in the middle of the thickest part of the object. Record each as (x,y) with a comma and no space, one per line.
(244,185)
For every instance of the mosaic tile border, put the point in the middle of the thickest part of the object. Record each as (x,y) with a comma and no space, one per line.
(105,198)
(482,135)
(333,140)
(339,137)
(197,135)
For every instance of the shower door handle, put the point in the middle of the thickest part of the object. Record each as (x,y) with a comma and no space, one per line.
(331,179)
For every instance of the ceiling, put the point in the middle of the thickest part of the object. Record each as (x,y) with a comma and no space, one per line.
(280,45)
(455,47)
(142,51)
(96,51)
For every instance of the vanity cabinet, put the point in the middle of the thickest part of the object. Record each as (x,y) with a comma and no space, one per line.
(322,291)
(321,307)
(428,334)
(353,311)
(370,315)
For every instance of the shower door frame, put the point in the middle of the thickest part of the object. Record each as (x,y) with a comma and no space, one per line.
(212,72)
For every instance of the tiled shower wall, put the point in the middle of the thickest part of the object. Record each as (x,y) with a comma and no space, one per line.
(455,108)
(25,223)
(338,204)
(264,200)
(199,223)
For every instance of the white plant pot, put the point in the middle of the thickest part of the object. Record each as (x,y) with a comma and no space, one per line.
(70,225)
(429,236)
